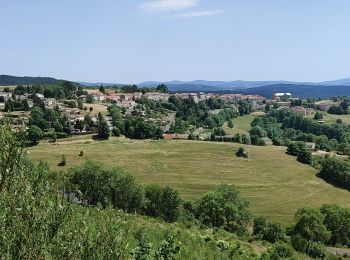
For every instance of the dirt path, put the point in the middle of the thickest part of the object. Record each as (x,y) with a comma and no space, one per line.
(345,252)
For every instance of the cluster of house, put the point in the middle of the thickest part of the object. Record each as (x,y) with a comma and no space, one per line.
(127,100)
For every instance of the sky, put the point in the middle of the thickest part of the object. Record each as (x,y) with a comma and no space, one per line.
(130,41)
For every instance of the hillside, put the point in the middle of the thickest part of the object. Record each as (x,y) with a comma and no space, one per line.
(7,80)
(302,91)
(275,183)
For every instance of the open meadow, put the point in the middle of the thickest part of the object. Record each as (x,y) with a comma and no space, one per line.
(10,87)
(331,119)
(241,124)
(275,183)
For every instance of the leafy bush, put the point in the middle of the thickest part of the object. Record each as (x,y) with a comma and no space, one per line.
(279,251)
(34,134)
(310,225)
(106,186)
(336,171)
(268,231)
(242,153)
(162,202)
(224,208)
(63,161)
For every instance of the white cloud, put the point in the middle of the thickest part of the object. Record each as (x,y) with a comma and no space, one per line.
(201,13)
(167,5)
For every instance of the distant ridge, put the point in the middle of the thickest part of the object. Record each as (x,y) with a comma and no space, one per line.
(264,88)
(7,80)
(301,91)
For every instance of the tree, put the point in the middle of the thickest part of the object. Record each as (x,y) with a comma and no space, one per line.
(244,108)
(80,104)
(170,202)
(318,116)
(102,89)
(336,171)
(268,231)
(337,221)
(224,208)
(162,88)
(242,153)
(34,134)
(339,121)
(89,99)
(102,128)
(258,131)
(230,124)
(304,155)
(294,148)
(310,225)
(90,109)
(116,131)
(106,186)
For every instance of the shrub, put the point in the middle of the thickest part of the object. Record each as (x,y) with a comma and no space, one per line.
(315,249)
(256,140)
(268,231)
(162,202)
(34,134)
(336,171)
(230,124)
(310,225)
(115,131)
(295,147)
(279,251)
(81,153)
(106,187)
(168,248)
(63,161)
(304,155)
(299,243)
(242,153)
(224,208)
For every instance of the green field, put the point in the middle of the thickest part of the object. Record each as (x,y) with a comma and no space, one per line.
(241,124)
(11,87)
(275,183)
(331,119)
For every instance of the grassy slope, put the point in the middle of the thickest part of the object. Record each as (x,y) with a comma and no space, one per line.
(275,183)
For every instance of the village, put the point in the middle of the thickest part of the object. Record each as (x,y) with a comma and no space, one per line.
(96,101)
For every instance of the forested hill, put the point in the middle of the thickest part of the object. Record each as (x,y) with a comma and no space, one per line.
(302,91)
(7,80)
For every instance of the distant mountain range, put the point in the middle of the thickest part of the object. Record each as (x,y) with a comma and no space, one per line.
(299,90)
(265,88)
(202,85)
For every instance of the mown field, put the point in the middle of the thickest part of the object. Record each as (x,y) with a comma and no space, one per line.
(331,119)
(275,183)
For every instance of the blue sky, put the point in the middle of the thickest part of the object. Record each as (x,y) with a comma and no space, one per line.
(130,41)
